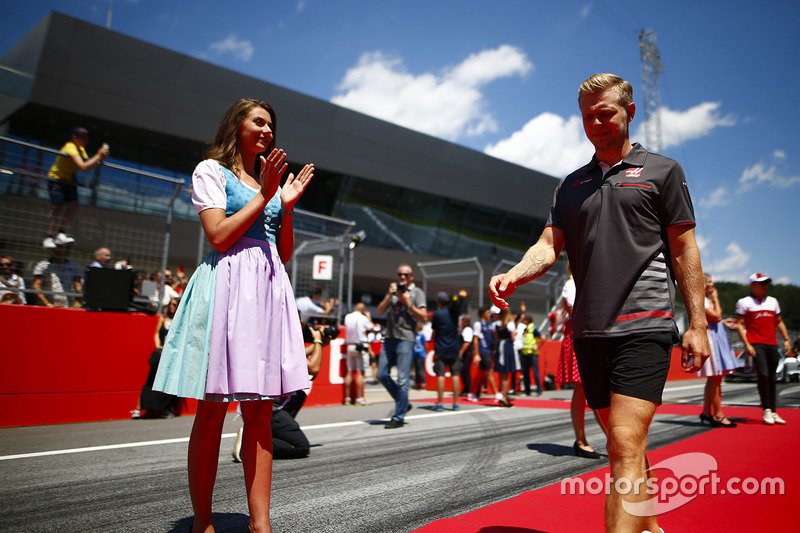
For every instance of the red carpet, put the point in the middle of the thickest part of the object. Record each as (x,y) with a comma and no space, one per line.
(746,456)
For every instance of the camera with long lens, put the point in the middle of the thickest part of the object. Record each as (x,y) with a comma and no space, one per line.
(328,332)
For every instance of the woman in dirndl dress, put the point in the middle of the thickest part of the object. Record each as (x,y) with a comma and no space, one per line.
(721,361)
(236,334)
(567,373)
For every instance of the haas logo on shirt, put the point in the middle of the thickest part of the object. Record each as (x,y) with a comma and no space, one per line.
(633,172)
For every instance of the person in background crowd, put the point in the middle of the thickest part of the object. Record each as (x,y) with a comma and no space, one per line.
(169,291)
(721,361)
(356,326)
(63,187)
(529,355)
(418,359)
(102,258)
(484,344)
(404,305)
(446,347)
(149,400)
(57,276)
(758,316)
(10,279)
(313,304)
(236,335)
(466,353)
(505,361)
(627,223)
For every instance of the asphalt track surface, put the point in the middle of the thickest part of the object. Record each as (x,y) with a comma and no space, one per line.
(131,475)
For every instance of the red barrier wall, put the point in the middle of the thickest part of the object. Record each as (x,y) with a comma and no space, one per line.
(72,365)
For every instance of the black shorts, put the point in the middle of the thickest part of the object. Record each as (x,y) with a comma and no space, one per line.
(486,362)
(440,366)
(634,365)
(62,192)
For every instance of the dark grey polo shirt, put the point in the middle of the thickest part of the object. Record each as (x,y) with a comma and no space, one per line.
(615,236)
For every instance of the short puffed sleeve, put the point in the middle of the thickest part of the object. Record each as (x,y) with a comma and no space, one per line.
(208,186)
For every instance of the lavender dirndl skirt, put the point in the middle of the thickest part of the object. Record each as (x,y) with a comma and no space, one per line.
(722,359)
(236,334)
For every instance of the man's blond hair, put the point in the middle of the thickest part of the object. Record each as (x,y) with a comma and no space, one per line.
(601,82)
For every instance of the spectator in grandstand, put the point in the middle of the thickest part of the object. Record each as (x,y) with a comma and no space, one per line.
(102,258)
(406,306)
(237,334)
(721,361)
(63,185)
(10,279)
(356,326)
(758,316)
(57,276)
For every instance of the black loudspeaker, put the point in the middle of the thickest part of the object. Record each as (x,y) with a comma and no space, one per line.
(107,289)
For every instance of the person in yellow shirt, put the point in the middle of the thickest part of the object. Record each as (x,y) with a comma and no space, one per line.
(63,188)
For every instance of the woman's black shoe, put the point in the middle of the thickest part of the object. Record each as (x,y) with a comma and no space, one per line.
(730,424)
(713,422)
(586,454)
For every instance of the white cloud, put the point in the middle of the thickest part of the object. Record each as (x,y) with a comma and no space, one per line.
(731,267)
(241,50)
(585,11)
(547,143)
(301,6)
(720,196)
(783,280)
(680,126)
(768,174)
(448,105)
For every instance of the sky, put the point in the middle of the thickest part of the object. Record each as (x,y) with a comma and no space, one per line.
(502,77)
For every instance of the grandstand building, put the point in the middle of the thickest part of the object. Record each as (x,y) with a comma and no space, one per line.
(419,199)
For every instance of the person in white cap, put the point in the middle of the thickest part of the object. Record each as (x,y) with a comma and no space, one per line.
(757,317)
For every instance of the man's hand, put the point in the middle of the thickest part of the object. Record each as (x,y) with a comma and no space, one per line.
(501,288)
(695,350)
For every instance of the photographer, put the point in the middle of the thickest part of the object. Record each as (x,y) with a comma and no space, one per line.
(405,303)
(288,440)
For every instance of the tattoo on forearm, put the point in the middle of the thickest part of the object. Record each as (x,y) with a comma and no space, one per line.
(534,264)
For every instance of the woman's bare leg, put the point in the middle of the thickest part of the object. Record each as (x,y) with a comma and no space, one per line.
(203,460)
(257,461)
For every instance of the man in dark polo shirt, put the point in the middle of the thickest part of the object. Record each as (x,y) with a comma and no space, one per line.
(627,223)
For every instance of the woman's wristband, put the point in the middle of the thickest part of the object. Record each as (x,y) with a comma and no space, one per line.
(315,341)
(285,212)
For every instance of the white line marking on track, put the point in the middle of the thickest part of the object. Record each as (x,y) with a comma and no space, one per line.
(224,436)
